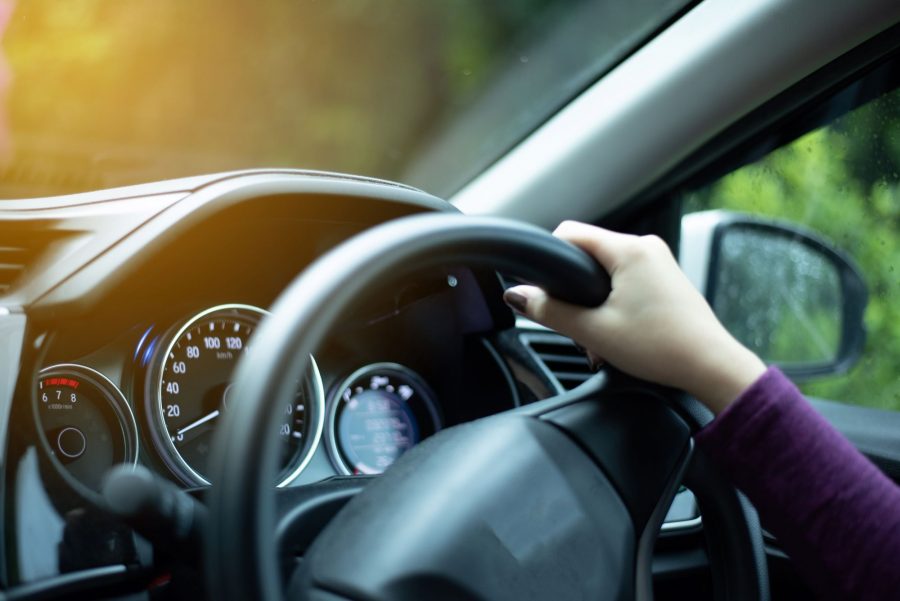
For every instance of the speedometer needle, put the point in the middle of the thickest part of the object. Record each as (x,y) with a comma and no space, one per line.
(199,422)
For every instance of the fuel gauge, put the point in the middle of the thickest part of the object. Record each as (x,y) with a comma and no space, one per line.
(86,423)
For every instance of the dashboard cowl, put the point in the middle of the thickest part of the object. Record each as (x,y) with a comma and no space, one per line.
(120,235)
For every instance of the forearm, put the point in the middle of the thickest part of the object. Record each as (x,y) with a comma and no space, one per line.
(834,512)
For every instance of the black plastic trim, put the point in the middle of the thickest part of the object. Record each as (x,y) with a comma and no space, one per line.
(84,584)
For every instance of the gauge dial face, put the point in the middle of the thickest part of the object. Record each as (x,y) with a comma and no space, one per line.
(377,414)
(194,391)
(86,422)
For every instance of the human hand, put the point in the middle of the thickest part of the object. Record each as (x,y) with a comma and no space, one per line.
(655,325)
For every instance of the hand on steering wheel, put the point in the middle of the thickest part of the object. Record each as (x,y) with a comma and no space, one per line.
(655,325)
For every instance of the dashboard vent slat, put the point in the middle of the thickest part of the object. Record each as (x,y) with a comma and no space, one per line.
(21,245)
(564,362)
(12,266)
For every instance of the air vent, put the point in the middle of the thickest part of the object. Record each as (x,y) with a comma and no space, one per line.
(12,265)
(21,245)
(560,356)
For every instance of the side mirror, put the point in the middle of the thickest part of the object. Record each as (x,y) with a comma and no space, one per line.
(784,292)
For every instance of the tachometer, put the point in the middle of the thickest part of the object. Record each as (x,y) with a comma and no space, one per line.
(86,422)
(194,389)
(378,413)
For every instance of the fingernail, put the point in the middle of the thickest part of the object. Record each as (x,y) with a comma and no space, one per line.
(594,362)
(516,300)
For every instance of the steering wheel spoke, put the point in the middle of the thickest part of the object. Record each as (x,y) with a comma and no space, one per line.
(304,511)
(639,442)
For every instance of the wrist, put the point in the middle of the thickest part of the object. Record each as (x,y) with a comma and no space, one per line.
(726,375)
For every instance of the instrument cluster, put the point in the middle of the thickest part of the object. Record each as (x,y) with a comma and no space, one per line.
(369,416)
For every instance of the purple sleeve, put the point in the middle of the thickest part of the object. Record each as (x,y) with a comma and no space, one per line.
(834,512)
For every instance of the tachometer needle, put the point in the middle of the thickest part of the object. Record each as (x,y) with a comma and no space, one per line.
(199,422)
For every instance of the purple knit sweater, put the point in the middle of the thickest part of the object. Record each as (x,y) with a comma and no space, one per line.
(834,512)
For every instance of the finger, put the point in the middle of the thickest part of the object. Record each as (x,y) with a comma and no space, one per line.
(595,361)
(605,245)
(538,306)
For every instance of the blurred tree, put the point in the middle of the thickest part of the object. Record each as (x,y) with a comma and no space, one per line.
(111,92)
(107,93)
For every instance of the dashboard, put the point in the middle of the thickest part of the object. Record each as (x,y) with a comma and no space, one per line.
(132,307)
(132,350)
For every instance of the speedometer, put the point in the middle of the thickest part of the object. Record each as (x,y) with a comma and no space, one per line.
(194,390)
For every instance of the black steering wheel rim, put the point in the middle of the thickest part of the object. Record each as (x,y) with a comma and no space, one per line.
(241,556)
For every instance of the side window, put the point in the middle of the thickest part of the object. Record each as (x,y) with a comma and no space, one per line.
(841,180)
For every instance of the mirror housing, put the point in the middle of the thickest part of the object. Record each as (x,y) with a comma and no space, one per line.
(783,291)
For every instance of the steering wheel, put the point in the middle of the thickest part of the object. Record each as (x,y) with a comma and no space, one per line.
(560,499)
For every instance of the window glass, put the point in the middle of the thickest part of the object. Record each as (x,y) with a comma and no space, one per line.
(103,93)
(841,180)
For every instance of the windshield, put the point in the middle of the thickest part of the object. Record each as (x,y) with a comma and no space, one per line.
(103,93)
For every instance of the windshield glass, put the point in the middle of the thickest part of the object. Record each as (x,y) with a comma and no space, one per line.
(103,93)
